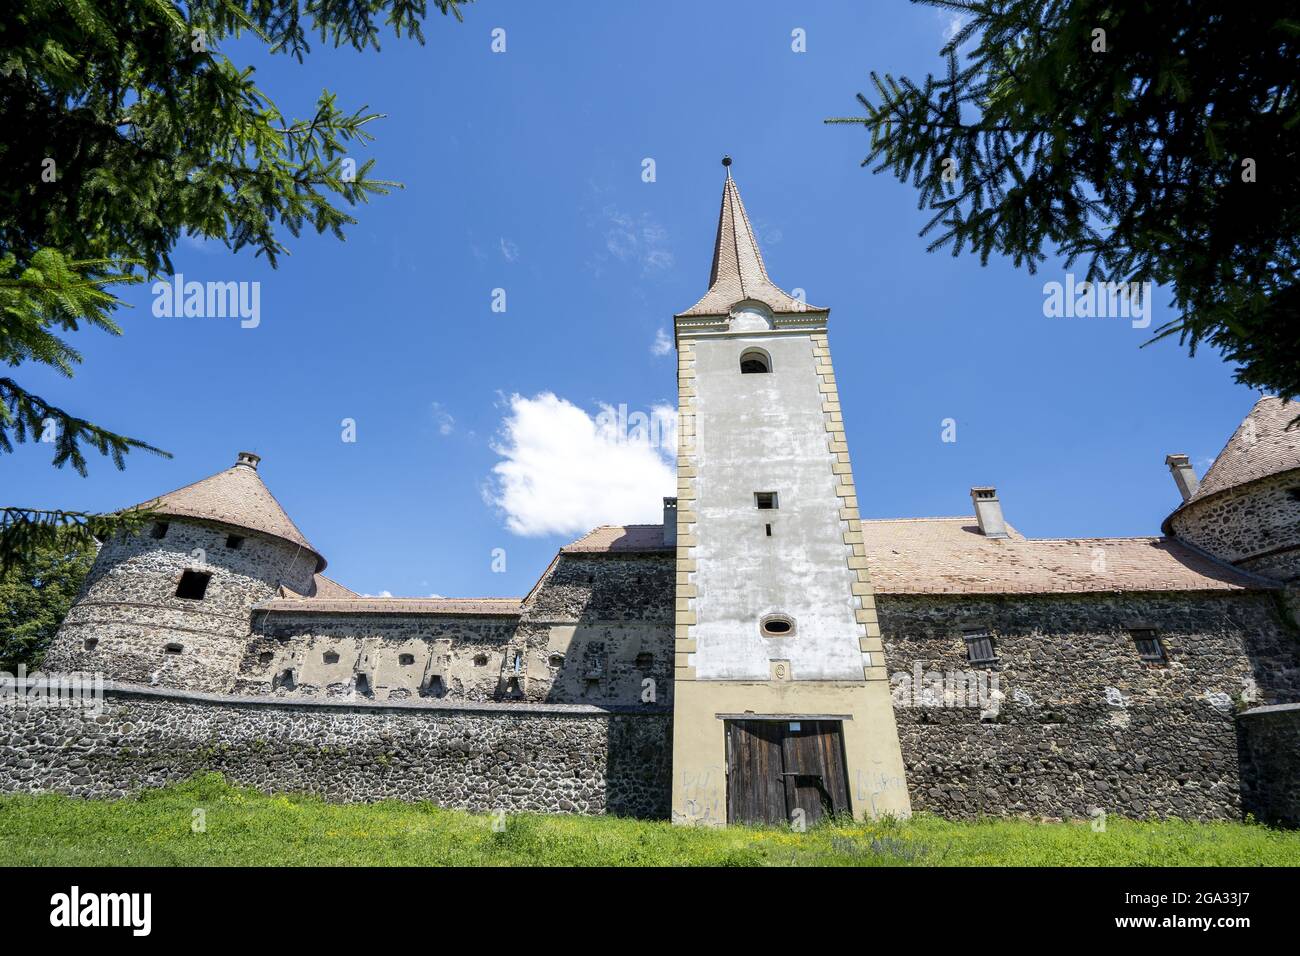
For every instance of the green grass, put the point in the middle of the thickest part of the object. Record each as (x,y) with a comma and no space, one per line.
(249,828)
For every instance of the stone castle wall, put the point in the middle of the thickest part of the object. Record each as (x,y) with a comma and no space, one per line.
(1078,721)
(1270,758)
(1255,526)
(515,758)
(594,631)
(129,623)
(321,655)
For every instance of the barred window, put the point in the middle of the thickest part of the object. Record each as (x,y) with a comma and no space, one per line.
(1148,644)
(979,647)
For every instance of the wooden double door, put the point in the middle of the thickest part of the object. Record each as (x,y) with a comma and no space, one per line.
(775,767)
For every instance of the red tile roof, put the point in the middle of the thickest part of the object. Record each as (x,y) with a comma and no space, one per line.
(494,607)
(235,497)
(949,555)
(620,539)
(1264,444)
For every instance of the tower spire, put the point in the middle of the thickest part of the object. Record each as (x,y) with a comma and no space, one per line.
(738,271)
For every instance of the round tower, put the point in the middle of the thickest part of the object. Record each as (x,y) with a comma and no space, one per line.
(171,604)
(1246,510)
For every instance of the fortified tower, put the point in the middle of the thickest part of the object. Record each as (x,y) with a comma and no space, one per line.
(782,707)
(1246,510)
(170,605)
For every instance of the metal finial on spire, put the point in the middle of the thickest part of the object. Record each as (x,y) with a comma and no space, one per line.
(726,161)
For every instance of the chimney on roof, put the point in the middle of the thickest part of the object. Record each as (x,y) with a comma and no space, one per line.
(670,521)
(988,512)
(1184,475)
(248,460)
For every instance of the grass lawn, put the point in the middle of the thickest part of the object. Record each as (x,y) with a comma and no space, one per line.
(250,828)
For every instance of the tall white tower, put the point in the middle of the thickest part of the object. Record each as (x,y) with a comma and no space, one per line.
(782,708)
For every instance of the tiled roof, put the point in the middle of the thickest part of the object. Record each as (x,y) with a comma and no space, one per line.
(499,607)
(235,497)
(620,539)
(738,270)
(322,587)
(950,556)
(1262,445)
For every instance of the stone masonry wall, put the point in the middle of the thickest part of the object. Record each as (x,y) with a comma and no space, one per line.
(1077,721)
(397,653)
(128,614)
(595,629)
(602,627)
(1270,763)
(1255,526)
(513,758)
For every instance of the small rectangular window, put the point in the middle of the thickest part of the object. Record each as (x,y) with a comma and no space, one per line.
(765,500)
(979,647)
(1148,644)
(234,542)
(193,585)
(159,530)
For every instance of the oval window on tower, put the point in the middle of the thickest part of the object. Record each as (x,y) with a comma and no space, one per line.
(754,361)
(777,625)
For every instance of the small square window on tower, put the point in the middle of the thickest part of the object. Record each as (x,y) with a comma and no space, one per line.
(159,530)
(234,541)
(193,585)
(765,500)
(1148,644)
(979,647)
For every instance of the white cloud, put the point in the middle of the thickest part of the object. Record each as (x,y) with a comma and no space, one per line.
(382,594)
(509,251)
(641,240)
(663,343)
(953,26)
(564,471)
(446,424)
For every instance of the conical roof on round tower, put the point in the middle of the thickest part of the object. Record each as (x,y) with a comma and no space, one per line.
(738,271)
(1264,444)
(235,497)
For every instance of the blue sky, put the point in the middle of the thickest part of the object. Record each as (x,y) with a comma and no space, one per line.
(523,171)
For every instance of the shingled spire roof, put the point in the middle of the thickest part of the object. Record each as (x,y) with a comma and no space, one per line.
(1262,445)
(235,497)
(738,270)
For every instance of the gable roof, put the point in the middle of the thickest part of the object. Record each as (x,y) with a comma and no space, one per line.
(738,270)
(459,607)
(235,497)
(620,539)
(1262,445)
(321,587)
(951,556)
